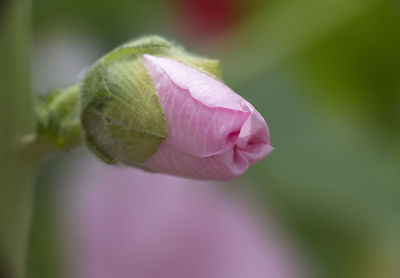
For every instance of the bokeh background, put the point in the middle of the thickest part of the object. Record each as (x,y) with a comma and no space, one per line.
(324,74)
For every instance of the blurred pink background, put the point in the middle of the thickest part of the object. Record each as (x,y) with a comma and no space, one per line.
(129,223)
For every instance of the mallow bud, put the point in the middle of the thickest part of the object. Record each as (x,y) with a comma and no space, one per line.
(152,105)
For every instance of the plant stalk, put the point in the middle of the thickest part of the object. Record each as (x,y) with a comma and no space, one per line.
(17,168)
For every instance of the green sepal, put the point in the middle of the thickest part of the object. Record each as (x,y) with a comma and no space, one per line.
(208,66)
(122,118)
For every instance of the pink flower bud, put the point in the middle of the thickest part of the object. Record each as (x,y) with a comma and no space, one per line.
(152,105)
(213,133)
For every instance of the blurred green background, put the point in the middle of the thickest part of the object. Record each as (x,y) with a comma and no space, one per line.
(324,74)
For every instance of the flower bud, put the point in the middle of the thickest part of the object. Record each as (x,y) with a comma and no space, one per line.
(152,105)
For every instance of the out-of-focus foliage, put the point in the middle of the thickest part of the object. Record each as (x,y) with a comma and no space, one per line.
(326,77)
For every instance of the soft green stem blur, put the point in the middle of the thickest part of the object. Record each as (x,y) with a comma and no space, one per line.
(57,122)
(17,169)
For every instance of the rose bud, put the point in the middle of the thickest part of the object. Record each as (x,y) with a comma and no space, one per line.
(150,104)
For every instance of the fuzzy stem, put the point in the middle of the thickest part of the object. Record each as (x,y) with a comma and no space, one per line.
(58,126)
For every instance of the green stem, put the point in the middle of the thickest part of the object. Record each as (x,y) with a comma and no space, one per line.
(17,170)
(58,126)
(52,125)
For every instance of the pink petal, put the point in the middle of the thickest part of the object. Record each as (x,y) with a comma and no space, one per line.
(213,132)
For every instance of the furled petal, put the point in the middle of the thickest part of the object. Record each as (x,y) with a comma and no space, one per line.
(213,132)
